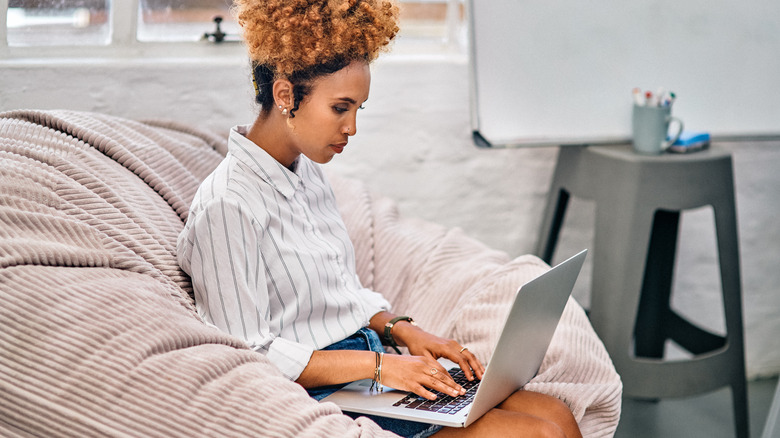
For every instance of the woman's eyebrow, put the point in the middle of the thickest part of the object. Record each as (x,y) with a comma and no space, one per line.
(349,100)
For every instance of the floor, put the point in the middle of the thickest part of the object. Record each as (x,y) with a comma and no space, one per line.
(708,415)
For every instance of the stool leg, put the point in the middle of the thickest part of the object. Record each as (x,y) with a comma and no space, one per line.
(621,243)
(551,228)
(652,321)
(571,174)
(728,252)
(740,399)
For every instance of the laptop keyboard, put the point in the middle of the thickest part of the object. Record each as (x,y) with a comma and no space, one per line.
(444,404)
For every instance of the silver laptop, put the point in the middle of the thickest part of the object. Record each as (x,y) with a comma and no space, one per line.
(523,342)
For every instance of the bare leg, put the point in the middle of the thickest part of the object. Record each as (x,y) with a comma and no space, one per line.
(524,413)
(546,407)
(501,423)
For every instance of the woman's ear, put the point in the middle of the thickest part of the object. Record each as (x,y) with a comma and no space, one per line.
(283,93)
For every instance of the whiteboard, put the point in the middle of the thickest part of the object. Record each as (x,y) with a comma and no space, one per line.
(549,72)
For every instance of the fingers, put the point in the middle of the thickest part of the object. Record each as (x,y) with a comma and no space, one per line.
(439,379)
(459,354)
(430,374)
(431,347)
(434,347)
(468,362)
(420,375)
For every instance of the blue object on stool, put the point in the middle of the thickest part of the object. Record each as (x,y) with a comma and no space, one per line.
(690,141)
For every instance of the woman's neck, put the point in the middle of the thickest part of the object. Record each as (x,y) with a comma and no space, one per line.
(271,134)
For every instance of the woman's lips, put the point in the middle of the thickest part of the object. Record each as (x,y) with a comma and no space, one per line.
(338,148)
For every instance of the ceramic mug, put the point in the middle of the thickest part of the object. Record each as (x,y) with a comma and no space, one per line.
(650,129)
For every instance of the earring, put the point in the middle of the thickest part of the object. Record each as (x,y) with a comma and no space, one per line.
(284,110)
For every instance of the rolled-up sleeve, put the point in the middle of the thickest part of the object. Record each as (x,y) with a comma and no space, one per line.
(374,302)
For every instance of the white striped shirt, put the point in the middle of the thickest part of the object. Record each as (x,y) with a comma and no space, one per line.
(270,258)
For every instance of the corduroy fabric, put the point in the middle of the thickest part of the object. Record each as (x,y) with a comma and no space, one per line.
(457,287)
(98,333)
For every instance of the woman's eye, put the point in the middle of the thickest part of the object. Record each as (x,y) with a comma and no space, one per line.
(340,109)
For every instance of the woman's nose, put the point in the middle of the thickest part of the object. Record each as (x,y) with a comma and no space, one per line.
(351,128)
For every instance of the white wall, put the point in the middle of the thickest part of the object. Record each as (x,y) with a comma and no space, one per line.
(414,145)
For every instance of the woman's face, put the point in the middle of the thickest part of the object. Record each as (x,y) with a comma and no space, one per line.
(326,117)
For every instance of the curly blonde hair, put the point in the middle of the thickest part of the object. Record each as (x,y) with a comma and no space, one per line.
(287,36)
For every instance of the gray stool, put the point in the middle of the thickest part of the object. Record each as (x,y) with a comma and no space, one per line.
(638,201)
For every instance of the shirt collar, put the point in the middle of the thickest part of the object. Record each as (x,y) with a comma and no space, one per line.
(264,165)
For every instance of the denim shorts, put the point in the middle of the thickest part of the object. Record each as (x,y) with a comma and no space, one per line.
(366,339)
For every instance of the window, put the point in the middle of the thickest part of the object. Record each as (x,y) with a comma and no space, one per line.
(184,20)
(58,22)
(426,25)
(440,20)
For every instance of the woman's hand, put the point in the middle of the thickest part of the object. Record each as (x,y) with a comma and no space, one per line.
(424,344)
(421,343)
(418,374)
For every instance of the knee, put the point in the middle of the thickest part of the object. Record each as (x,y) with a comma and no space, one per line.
(499,422)
(549,429)
(561,415)
(560,410)
(538,404)
(544,407)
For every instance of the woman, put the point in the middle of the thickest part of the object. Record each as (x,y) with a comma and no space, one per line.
(269,257)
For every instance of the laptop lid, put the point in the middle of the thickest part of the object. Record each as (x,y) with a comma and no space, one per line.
(521,347)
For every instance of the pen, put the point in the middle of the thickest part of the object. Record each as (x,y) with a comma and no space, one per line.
(651,99)
(662,98)
(668,99)
(639,99)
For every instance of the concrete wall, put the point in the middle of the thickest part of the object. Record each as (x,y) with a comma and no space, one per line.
(414,145)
